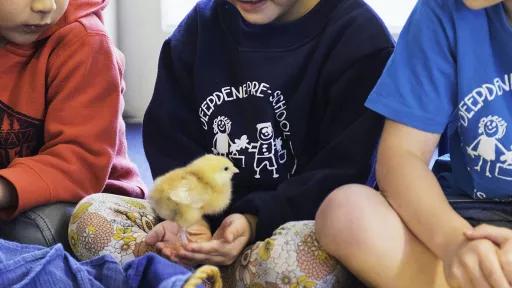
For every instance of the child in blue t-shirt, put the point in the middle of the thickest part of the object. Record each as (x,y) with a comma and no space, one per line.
(451,73)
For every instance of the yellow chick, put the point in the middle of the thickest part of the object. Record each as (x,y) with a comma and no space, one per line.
(185,194)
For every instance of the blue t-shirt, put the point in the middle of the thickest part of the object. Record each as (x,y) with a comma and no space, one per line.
(452,71)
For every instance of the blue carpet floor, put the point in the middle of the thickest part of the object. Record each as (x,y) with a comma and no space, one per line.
(136,151)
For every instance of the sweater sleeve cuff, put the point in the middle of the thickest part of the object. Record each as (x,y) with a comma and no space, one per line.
(31,189)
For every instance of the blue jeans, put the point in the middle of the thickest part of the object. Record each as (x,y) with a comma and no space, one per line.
(45,225)
(35,266)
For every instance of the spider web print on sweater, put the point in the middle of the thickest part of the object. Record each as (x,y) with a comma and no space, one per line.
(20,135)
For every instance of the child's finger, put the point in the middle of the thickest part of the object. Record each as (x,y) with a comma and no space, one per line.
(160,246)
(168,254)
(493,271)
(494,234)
(505,257)
(155,235)
(229,234)
(187,257)
(210,247)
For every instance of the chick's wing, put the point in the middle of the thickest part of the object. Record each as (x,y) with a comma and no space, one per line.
(190,191)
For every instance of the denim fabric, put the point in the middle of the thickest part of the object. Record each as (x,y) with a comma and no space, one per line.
(45,225)
(35,266)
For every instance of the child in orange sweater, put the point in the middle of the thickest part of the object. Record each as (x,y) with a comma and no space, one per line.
(61,132)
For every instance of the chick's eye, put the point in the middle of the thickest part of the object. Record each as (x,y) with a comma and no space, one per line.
(226,168)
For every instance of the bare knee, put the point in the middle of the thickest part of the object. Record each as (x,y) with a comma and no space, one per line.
(356,223)
(342,218)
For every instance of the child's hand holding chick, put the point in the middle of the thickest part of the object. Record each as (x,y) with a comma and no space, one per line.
(164,237)
(226,245)
(185,194)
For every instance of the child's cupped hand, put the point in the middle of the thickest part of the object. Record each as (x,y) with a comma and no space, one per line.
(164,237)
(223,249)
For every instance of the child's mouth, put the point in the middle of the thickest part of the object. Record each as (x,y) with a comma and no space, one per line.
(34,29)
(250,5)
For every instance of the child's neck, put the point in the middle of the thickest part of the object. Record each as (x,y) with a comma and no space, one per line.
(301,8)
(3,41)
(508,8)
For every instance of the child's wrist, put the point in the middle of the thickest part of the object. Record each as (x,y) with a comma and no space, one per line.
(451,243)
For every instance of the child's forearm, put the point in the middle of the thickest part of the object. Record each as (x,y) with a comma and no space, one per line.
(413,191)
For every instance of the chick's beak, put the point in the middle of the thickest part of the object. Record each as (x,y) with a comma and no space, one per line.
(235,170)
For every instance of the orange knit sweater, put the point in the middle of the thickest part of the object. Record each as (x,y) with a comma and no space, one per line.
(61,132)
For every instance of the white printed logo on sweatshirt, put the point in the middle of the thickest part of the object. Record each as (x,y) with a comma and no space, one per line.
(269,149)
(487,146)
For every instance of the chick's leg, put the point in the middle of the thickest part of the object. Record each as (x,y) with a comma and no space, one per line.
(187,216)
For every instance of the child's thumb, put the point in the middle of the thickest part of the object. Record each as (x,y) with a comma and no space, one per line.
(232,232)
(154,235)
(229,233)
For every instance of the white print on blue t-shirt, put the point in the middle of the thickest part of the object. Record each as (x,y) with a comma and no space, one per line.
(451,73)
(491,129)
(269,149)
(486,93)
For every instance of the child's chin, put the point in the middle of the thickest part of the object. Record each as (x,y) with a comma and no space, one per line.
(480,4)
(22,40)
(258,19)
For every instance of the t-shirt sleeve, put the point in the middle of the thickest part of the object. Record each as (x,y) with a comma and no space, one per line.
(418,86)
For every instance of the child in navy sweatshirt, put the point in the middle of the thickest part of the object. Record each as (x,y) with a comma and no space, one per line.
(277,86)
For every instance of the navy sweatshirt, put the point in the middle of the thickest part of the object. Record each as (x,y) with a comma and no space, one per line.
(283,101)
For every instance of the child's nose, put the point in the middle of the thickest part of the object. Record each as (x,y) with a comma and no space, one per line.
(43,6)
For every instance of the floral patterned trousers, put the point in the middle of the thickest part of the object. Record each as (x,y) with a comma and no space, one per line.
(291,258)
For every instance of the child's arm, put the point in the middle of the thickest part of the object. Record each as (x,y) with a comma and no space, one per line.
(83,99)
(411,188)
(420,88)
(171,130)
(347,135)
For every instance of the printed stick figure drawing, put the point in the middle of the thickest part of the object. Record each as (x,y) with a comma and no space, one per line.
(239,144)
(221,142)
(264,149)
(491,129)
(504,170)
(281,153)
